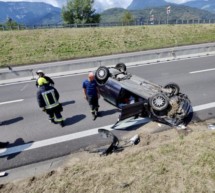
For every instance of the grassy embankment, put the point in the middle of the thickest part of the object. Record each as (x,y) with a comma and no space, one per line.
(35,46)
(166,162)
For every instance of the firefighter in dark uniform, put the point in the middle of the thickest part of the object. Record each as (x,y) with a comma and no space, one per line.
(91,93)
(47,97)
(40,74)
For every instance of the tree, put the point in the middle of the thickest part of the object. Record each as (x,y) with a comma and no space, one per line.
(11,23)
(127,17)
(80,12)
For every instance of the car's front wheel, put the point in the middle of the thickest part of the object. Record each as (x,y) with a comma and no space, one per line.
(102,74)
(121,67)
(159,102)
(173,87)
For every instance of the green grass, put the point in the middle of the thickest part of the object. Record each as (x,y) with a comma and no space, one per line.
(36,46)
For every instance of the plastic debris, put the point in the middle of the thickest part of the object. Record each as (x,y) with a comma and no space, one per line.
(114,141)
(2,174)
(135,140)
(181,126)
(211,126)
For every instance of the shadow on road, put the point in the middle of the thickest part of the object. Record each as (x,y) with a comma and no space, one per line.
(67,103)
(12,121)
(13,149)
(74,119)
(130,127)
(108,112)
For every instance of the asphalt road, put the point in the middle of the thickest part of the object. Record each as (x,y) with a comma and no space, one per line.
(25,123)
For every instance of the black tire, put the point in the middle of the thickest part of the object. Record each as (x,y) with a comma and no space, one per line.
(174,87)
(121,67)
(159,102)
(101,75)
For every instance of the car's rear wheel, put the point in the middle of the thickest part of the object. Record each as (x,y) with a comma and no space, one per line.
(102,74)
(121,67)
(174,88)
(159,102)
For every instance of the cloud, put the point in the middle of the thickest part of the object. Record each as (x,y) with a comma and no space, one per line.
(113,3)
(105,4)
(101,4)
(178,1)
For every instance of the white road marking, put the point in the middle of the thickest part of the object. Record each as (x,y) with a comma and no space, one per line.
(203,107)
(60,139)
(199,71)
(17,82)
(9,102)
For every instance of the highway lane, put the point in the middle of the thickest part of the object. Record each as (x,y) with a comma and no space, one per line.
(24,122)
(199,86)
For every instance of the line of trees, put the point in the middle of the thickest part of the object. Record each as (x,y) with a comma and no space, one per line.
(10,23)
(82,12)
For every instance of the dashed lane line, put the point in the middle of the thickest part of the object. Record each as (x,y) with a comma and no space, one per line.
(199,71)
(9,102)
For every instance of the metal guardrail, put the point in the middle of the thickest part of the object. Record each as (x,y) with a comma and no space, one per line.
(110,24)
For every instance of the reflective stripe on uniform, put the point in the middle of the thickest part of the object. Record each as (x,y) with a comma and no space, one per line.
(47,101)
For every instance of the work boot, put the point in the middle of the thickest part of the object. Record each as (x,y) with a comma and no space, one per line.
(52,121)
(62,124)
(93,116)
(96,113)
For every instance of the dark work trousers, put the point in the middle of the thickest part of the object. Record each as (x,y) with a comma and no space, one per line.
(94,103)
(55,114)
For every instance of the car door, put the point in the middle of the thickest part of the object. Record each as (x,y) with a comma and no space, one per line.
(110,91)
(131,110)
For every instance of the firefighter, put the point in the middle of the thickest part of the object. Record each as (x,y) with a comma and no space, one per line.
(40,73)
(47,97)
(91,94)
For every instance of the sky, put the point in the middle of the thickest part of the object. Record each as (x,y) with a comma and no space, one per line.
(99,3)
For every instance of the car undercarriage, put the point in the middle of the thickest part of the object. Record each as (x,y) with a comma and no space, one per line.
(164,104)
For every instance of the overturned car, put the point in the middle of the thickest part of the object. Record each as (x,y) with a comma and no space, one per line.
(135,96)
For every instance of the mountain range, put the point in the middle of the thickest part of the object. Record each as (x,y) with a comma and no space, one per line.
(36,13)
(30,13)
(208,5)
(178,12)
(143,4)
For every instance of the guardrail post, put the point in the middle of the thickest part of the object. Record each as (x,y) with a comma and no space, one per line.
(33,78)
(158,57)
(174,54)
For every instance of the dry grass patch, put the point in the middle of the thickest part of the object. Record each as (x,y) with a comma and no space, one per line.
(35,46)
(163,162)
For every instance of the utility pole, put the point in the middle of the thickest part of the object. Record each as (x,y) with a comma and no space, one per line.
(151,17)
